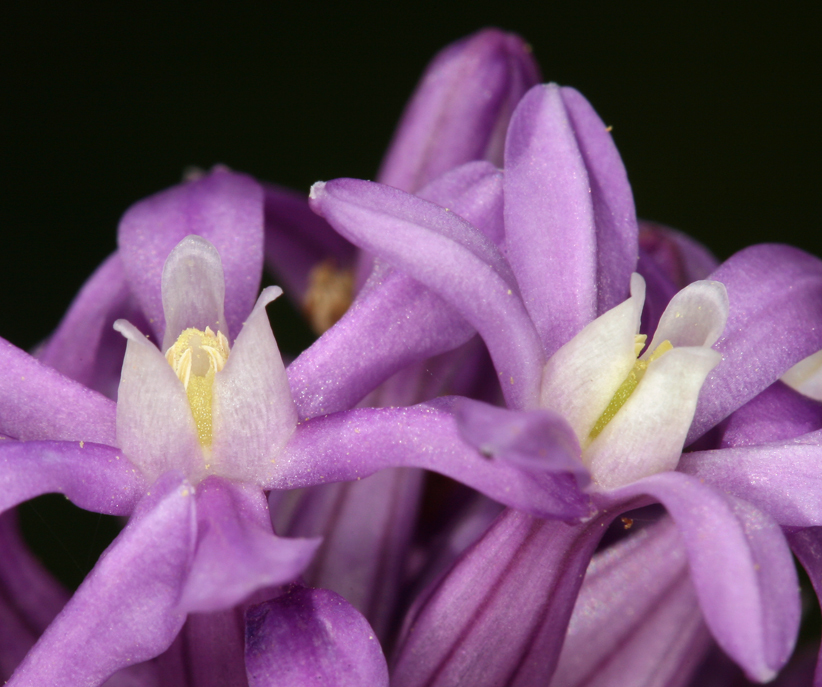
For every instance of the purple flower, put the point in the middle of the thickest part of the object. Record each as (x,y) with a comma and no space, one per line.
(202,428)
(544,295)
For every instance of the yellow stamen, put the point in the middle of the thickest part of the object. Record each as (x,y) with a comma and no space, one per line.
(631,382)
(196,357)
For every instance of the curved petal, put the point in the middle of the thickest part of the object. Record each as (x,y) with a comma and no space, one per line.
(696,316)
(614,212)
(774,321)
(806,376)
(84,347)
(92,476)
(125,611)
(740,565)
(660,291)
(296,240)
(155,427)
(224,208)
(311,638)
(253,414)
(550,230)
(682,259)
(782,479)
(499,615)
(807,545)
(193,289)
(450,257)
(581,378)
(37,402)
(636,615)
(237,551)
(460,109)
(357,443)
(777,414)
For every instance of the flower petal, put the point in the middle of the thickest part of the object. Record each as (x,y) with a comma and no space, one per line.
(581,378)
(614,212)
(782,479)
(224,208)
(740,565)
(296,240)
(357,443)
(499,615)
(682,259)
(806,376)
(640,591)
(93,476)
(550,229)
(253,414)
(37,402)
(237,551)
(450,257)
(84,347)
(774,321)
(696,316)
(777,414)
(460,109)
(366,526)
(125,610)
(155,427)
(309,638)
(193,289)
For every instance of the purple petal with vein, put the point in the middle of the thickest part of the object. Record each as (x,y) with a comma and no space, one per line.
(37,402)
(125,611)
(354,444)
(640,591)
(550,229)
(30,597)
(461,108)
(774,322)
(782,479)
(366,527)
(311,638)
(452,258)
(237,551)
(777,414)
(296,240)
(740,565)
(223,207)
(499,615)
(93,476)
(614,212)
(84,347)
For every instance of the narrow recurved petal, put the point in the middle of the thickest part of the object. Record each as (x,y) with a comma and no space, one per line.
(125,611)
(366,528)
(740,565)
(777,414)
(639,589)
(84,347)
(550,224)
(781,478)
(253,413)
(155,427)
(613,202)
(95,477)
(461,108)
(774,321)
(296,240)
(354,444)
(37,402)
(449,256)
(311,638)
(237,551)
(223,207)
(499,615)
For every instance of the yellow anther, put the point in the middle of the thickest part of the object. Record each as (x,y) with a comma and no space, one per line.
(631,382)
(196,357)
(639,343)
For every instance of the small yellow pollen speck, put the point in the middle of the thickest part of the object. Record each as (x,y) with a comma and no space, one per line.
(510,292)
(609,128)
(23,378)
(512,380)
(116,457)
(82,443)
(184,492)
(196,357)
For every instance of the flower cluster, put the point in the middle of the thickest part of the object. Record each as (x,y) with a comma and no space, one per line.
(490,310)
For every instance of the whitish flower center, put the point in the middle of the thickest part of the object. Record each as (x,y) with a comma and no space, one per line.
(196,357)
(623,393)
